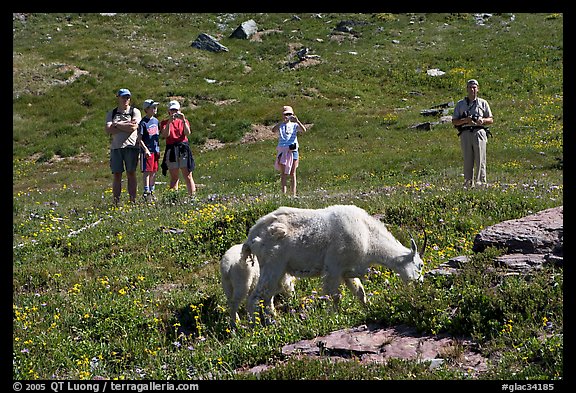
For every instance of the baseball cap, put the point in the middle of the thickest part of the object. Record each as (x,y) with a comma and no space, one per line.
(287,109)
(123,92)
(148,103)
(472,82)
(174,105)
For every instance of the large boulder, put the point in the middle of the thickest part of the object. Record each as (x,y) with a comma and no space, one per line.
(539,233)
(245,30)
(207,42)
(529,242)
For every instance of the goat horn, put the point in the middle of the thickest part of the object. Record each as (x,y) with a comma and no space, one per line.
(421,252)
(424,245)
(410,234)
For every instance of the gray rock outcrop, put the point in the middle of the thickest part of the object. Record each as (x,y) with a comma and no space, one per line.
(530,242)
(378,343)
(245,30)
(540,233)
(209,43)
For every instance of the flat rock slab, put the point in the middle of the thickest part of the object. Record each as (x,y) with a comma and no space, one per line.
(521,263)
(378,344)
(539,233)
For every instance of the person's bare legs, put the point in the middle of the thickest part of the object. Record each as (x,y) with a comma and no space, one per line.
(116,187)
(132,185)
(190,185)
(283,178)
(174,177)
(146,176)
(152,180)
(293,178)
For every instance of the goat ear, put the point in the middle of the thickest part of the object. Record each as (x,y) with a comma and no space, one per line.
(413,245)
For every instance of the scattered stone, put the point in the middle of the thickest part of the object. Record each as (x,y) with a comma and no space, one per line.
(482,18)
(444,105)
(347,26)
(304,58)
(433,112)
(429,124)
(423,126)
(435,72)
(453,266)
(521,263)
(209,43)
(245,30)
(175,231)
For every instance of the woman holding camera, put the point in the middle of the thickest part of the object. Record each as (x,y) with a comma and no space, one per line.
(177,156)
(471,117)
(287,148)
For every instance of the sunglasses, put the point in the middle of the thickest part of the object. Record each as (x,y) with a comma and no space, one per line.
(288,114)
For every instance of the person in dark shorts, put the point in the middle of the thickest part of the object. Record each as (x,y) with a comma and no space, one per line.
(177,156)
(122,125)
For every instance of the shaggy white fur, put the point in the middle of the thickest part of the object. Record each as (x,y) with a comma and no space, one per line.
(239,278)
(338,243)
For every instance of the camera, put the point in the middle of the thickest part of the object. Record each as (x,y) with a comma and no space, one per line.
(466,114)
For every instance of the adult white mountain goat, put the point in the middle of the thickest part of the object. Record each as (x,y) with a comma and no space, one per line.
(239,278)
(338,243)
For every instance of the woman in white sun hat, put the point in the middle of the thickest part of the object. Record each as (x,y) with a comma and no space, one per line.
(287,149)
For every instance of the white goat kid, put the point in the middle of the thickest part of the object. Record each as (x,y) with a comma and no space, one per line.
(239,278)
(338,243)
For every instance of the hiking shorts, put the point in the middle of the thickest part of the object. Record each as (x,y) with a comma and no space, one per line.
(181,162)
(149,163)
(125,158)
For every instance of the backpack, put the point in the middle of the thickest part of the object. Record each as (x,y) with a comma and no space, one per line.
(115,111)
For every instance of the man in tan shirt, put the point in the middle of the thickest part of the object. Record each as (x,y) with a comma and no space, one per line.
(122,124)
(471,117)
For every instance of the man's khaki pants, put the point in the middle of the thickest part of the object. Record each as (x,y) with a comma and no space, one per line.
(473,144)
